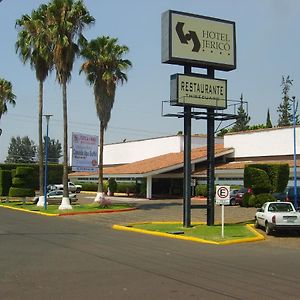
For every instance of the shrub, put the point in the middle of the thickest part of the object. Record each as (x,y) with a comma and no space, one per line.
(252,202)
(245,201)
(21,192)
(112,185)
(126,187)
(89,186)
(201,190)
(257,180)
(263,198)
(5,182)
(23,184)
(278,175)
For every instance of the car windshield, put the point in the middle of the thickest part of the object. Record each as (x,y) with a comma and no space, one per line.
(280,207)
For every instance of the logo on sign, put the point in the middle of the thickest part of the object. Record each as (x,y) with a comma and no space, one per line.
(185,38)
(223,192)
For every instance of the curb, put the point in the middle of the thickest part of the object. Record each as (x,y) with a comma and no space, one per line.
(70,213)
(258,236)
(97,212)
(30,211)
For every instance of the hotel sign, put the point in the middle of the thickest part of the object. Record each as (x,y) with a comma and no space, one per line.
(198,91)
(197,40)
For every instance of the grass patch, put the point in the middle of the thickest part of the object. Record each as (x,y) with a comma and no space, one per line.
(201,231)
(53,208)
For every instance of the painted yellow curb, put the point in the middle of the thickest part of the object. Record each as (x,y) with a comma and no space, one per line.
(30,211)
(258,237)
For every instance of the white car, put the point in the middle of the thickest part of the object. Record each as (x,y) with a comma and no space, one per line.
(56,197)
(276,216)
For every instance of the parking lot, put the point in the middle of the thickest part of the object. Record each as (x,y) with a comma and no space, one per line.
(172,210)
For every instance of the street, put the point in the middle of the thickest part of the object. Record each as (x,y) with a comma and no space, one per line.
(81,257)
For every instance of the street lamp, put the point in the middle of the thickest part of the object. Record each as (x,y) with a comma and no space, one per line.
(295,161)
(46,161)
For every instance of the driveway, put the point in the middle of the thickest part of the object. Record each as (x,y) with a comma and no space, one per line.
(172,210)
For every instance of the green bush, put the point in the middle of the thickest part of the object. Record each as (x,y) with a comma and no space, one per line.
(112,185)
(55,172)
(263,198)
(19,182)
(257,180)
(278,175)
(252,201)
(89,186)
(126,187)
(21,192)
(201,190)
(5,182)
(245,199)
(23,184)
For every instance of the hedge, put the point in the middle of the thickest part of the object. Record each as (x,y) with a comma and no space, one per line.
(5,182)
(23,183)
(257,180)
(55,172)
(201,190)
(21,192)
(259,200)
(278,175)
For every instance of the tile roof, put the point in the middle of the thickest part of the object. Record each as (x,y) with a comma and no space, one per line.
(159,164)
(235,165)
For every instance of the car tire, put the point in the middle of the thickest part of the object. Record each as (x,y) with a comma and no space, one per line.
(232,202)
(268,229)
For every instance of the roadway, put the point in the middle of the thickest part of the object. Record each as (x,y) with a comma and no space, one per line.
(81,257)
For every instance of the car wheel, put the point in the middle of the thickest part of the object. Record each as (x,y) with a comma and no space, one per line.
(256,225)
(232,202)
(268,229)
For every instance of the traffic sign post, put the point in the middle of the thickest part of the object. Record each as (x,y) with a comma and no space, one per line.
(222,197)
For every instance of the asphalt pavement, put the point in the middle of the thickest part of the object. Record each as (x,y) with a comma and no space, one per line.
(81,257)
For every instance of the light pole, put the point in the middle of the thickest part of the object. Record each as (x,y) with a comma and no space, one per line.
(295,161)
(46,161)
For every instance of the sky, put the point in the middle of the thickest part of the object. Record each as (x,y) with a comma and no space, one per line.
(267,46)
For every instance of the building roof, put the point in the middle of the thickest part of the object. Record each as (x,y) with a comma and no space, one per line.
(159,164)
(236,165)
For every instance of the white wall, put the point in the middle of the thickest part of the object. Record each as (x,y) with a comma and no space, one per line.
(132,151)
(128,152)
(268,142)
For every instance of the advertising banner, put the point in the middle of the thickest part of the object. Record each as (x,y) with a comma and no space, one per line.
(84,152)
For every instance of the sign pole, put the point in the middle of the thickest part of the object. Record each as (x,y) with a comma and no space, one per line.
(222,221)
(222,197)
(210,160)
(187,161)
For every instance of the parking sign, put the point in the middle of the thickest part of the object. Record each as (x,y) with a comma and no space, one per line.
(222,194)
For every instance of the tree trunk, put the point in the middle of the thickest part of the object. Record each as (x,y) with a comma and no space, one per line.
(100,191)
(100,184)
(40,146)
(41,155)
(65,204)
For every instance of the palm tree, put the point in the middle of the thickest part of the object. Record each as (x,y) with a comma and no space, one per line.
(6,96)
(34,47)
(104,67)
(66,21)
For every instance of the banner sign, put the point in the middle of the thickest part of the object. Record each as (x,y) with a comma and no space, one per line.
(84,152)
(198,91)
(198,40)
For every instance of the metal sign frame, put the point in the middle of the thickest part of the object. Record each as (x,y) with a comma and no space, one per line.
(184,43)
(198,91)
